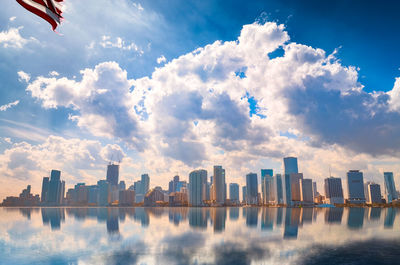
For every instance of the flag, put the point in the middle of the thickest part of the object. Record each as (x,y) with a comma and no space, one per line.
(49,10)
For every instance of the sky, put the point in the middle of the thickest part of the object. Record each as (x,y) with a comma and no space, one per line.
(166,87)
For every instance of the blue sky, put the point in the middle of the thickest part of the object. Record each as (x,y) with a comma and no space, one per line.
(197,114)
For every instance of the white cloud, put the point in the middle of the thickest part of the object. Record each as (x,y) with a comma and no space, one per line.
(119,43)
(102,98)
(138,6)
(54,73)
(161,59)
(11,38)
(12,18)
(23,77)
(9,105)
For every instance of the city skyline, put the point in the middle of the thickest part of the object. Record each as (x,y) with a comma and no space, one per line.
(289,189)
(213,96)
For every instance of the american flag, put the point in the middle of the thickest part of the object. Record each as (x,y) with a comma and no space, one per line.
(50,10)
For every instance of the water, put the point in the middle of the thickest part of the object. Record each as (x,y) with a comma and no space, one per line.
(199,236)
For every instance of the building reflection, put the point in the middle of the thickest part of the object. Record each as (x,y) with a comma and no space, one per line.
(375,213)
(292,221)
(390,217)
(53,216)
(234,213)
(198,217)
(112,221)
(218,218)
(177,215)
(307,215)
(267,218)
(252,216)
(356,218)
(334,215)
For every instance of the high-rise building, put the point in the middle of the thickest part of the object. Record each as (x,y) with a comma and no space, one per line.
(265,172)
(287,196)
(295,179)
(244,194)
(56,190)
(268,190)
(234,192)
(278,189)
(366,190)
(219,185)
(104,196)
(314,189)
(334,190)
(45,189)
(172,186)
(306,191)
(355,185)
(290,164)
(390,188)
(145,183)
(197,187)
(374,193)
(252,188)
(112,174)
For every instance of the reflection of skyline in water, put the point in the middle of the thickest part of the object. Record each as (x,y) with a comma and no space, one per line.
(178,235)
(202,217)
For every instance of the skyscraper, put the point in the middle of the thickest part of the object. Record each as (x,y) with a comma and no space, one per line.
(374,193)
(306,191)
(145,183)
(390,188)
(278,189)
(252,188)
(234,192)
(45,189)
(265,172)
(56,188)
(268,191)
(334,190)
(355,185)
(287,190)
(295,185)
(197,187)
(112,174)
(219,185)
(290,164)
(314,189)
(104,197)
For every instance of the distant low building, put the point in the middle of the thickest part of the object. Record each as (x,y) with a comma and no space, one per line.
(26,198)
(178,199)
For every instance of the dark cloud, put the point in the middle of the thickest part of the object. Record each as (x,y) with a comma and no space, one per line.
(181,249)
(357,120)
(374,251)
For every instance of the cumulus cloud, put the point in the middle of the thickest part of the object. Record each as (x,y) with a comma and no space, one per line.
(102,98)
(195,110)
(161,59)
(9,105)
(12,18)
(12,38)
(23,77)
